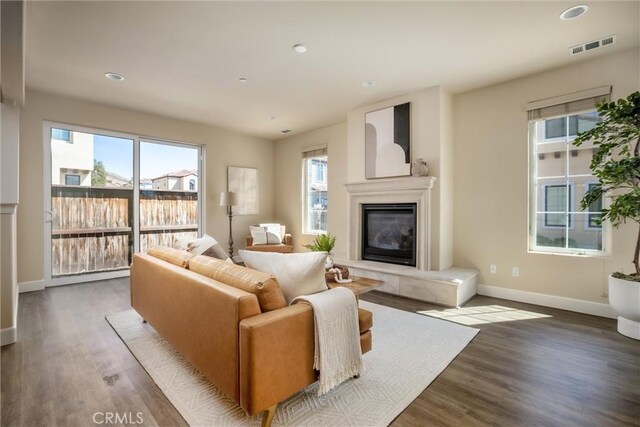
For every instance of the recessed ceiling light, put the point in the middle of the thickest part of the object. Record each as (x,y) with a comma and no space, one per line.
(242,80)
(368,83)
(574,12)
(114,76)
(285,131)
(300,48)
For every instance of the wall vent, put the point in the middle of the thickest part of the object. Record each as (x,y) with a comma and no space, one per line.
(605,41)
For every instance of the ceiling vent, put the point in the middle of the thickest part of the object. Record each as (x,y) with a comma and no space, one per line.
(606,41)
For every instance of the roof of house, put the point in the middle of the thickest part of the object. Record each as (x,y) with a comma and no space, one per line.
(116,177)
(177,174)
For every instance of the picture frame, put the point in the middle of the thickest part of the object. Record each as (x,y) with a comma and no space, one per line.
(244,182)
(388,142)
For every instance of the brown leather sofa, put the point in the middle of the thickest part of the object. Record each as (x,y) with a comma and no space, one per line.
(232,323)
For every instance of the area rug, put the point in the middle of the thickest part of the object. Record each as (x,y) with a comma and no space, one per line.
(409,352)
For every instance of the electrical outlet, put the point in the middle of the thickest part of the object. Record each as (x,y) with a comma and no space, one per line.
(493,269)
(515,271)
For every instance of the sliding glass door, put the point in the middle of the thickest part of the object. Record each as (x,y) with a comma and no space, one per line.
(168,193)
(109,194)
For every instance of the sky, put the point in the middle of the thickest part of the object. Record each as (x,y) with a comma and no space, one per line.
(155,159)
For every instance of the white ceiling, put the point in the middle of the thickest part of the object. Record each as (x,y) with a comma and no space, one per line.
(183,59)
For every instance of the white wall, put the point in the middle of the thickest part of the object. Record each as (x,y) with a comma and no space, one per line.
(9,148)
(12,59)
(491,182)
(430,140)
(10,135)
(223,148)
(288,175)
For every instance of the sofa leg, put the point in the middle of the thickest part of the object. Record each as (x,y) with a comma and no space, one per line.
(144,321)
(267,417)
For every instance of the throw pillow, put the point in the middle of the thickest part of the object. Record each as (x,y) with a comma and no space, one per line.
(298,274)
(276,229)
(261,236)
(182,241)
(205,245)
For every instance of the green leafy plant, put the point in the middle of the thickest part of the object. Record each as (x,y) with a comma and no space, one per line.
(616,164)
(99,174)
(322,243)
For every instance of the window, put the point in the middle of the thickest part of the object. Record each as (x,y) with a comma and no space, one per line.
(595,212)
(61,134)
(320,167)
(557,128)
(72,179)
(556,204)
(560,176)
(97,216)
(314,167)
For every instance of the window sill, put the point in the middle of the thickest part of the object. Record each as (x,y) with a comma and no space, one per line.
(571,254)
(313,233)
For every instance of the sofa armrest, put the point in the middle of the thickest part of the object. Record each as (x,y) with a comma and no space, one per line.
(276,356)
(248,241)
(197,315)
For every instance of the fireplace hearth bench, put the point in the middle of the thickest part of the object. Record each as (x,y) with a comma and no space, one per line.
(232,324)
(451,287)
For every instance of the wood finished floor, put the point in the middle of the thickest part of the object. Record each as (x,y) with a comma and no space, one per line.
(567,369)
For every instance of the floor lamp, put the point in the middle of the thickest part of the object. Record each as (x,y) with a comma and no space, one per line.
(228,199)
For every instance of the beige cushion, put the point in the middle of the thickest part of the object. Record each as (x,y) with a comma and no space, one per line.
(205,245)
(277,230)
(297,273)
(262,236)
(263,285)
(177,257)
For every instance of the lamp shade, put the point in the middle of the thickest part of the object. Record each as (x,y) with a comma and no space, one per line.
(228,198)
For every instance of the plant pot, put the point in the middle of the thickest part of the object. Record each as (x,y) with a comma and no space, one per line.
(624,297)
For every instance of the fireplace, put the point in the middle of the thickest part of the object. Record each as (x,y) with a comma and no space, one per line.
(389,233)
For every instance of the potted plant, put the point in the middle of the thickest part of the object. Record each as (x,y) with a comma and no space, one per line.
(616,165)
(323,243)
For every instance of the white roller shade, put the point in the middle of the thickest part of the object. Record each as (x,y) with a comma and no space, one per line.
(568,104)
(317,152)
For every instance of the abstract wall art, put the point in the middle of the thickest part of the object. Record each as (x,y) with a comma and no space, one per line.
(244,182)
(388,142)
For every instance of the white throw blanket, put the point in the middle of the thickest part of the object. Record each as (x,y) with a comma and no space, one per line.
(338,355)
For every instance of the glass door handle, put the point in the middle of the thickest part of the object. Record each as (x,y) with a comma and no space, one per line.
(48,218)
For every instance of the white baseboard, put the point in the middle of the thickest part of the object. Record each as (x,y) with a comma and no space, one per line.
(8,335)
(34,285)
(570,304)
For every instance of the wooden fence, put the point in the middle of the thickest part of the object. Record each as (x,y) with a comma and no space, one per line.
(92,227)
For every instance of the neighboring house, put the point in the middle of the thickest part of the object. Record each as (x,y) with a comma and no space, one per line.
(115,180)
(183,180)
(318,183)
(146,184)
(71,157)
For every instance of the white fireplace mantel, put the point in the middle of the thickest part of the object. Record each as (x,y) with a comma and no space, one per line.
(394,190)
